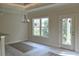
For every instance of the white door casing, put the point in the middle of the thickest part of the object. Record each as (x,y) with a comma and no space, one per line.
(72,29)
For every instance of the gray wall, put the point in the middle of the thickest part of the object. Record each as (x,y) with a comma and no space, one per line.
(12,24)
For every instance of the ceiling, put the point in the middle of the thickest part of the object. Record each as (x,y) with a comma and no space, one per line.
(21,7)
(22,4)
(31,5)
(27,6)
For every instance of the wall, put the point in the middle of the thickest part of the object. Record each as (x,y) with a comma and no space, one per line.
(77,33)
(12,25)
(53,38)
(53,14)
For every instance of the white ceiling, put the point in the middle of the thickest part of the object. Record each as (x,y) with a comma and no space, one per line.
(22,4)
(21,7)
(29,5)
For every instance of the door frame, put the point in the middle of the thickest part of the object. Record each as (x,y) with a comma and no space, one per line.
(72,47)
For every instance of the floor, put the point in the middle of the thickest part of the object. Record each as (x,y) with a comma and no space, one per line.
(39,50)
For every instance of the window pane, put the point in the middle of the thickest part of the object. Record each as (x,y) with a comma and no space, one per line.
(44,27)
(44,22)
(66,31)
(44,32)
(36,27)
(36,31)
(36,23)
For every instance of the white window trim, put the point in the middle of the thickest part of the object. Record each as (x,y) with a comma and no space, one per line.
(40,27)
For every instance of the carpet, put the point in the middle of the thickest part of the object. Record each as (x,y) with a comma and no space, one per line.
(22,47)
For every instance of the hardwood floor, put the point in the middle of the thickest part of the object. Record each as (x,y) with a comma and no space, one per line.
(38,50)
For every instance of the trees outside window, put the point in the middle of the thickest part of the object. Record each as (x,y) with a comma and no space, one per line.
(40,27)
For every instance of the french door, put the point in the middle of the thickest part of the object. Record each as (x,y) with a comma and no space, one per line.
(67,32)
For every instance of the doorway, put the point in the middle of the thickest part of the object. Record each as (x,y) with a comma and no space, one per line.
(67,33)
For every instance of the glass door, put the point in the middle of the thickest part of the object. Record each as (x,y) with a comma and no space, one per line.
(66,31)
(67,37)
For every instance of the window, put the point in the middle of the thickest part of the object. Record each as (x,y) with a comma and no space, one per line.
(40,27)
(44,27)
(36,27)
